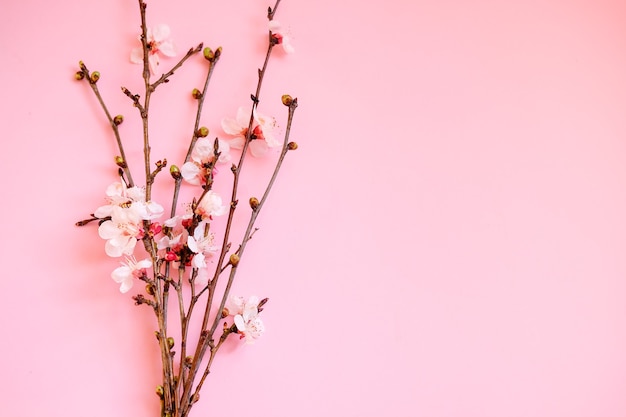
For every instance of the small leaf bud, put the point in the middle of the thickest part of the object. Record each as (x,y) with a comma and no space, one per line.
(95,76)
(287,100)
(234,259)
(254,203)
(225,312)
(292,146)
(175,172)
(119,161)
(197,94)
(117,120)
(203,132)
(160,391)
(79,75)
(170,342)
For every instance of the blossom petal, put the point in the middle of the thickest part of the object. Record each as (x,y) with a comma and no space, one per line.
(258,148)
(167,48)
(126,285)
(231,127)
(121,273)
(160,32)
(190,173)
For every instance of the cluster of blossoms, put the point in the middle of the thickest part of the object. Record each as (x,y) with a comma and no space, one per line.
(184,238)
(246,313)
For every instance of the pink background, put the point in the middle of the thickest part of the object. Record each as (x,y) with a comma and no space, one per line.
(449,240)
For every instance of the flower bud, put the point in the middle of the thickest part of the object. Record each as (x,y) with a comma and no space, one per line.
(225,312)
(234,259)
(119,161)
(95,76)
(197,94)
(117,120)
(160,391)
(79,75)
(287,100)
(175,172)
(150,289)
(292,146)
(170,342)
(254,203)
(209,55)
(203,132)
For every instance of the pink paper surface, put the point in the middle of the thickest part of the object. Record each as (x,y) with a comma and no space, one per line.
(448,241)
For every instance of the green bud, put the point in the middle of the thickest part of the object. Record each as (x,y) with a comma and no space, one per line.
(118,119)
(197,94)
(119,161)
(209,55)
(79,75)
(95,76)
(203,132)
(170,342)
(175,172)
(160,391)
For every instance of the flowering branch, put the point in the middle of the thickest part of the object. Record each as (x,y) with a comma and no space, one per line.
(180,249)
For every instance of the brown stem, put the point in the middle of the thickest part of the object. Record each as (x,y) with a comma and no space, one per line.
(114,126)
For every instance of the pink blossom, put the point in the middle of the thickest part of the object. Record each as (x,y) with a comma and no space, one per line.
(118,195)
(159,42)
(247,320)
(194,171)
(202,245)
(210,205)
(130,269)
(263,131)
(281,36)
(121,231)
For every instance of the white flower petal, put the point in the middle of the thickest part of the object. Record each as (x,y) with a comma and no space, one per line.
(126,285)
(258,148)
(160,32)
(167,48)
(190,172)
(231,127)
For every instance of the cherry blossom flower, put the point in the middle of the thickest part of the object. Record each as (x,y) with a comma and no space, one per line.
(194,171)
(201,245)
(281,36)
(247,320)
(159,42)
(130,269)
(263,131)
(210,205)
(118,195)
(121,231)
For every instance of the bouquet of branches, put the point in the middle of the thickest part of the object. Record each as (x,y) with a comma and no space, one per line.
(178,256)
